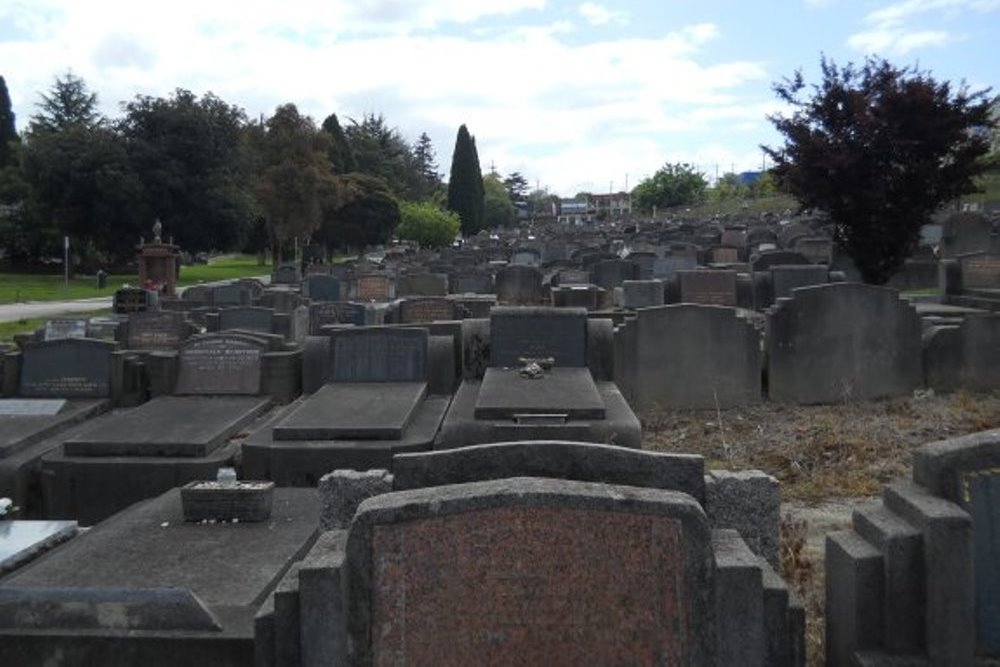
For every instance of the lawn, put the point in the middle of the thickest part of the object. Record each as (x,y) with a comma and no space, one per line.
(8,329)
(18,287)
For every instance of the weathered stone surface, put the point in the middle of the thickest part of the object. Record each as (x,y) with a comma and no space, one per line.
(20,541)
(68,368)
(320,287)
(526,569)
(427,309)
(57,329)
(842,341)
(379,355)
(748,501)
(341,491)
(559,333)
(248,318)
(220,364)
(505,394)
(584,462)
(349,410)
(155,330)
(716,288)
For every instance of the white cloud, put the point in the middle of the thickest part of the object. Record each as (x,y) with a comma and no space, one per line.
(596,14)
(892,29)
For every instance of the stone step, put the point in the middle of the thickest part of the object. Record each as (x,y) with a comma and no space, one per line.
(901,546)
(784,621)
(854,593)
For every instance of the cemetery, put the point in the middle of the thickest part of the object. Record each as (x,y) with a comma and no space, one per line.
(452,456)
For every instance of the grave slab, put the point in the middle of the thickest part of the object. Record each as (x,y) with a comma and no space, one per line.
(361,410)
(170,426)
(505,394)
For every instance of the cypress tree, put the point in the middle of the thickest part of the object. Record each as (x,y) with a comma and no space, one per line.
(341,156)
(465,186)
(8,131)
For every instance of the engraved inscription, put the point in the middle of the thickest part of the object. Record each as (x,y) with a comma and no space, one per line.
(380,356)
(426,310)
(155,331)
(522,585)
(709,287)
(220,366)
(981,272)
(373,288)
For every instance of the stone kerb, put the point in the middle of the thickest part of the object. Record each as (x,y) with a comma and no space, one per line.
(693,357)
(524,569)
(842,341)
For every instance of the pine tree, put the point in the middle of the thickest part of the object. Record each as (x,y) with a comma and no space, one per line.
(423,153)
(341,155)
(465,186)
(8,131)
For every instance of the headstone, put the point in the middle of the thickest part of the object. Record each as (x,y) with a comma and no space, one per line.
(981,271)
(665,267)
(103,328)
(220,364)
(155,330)
(519,285)
(422,284)
(130,300)
(817,250)
(843,341)
(374,287)
(766,260)
(230,295)
(717,288)
(526,257)
(333,312)
(252,318)
(321,287)
(428,309)
(574,277)
(786,278)
(538,333)
(57,329)
(725,255)
(379,355)
(286,274)
(67,368)
(471,283)
(642,293)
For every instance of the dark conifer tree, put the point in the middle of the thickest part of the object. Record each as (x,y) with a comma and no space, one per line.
(465,186)
(8,131)
(341,155)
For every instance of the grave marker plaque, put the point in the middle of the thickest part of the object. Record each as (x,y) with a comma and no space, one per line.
(130,300)
(252,318)
(67,368)
(981,272)
(979,495)
(379,355)
(229,295)
(708,287)
(725,255)
(331,312)
(220,364)
(412,311)
(60,328)
(539,333)
(374,288)
(502,592)
(154,330)
(322,287)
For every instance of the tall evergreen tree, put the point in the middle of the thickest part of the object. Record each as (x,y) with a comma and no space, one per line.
(465,186)
(423,153)
(341,155)
(8,131)
(69,104)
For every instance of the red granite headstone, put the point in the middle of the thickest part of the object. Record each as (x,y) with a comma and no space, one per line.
(529,585)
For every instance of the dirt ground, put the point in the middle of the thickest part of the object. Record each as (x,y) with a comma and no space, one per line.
(829,459)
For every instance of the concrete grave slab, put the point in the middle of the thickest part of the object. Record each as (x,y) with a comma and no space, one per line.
(169,426)
(354,410)
(569,392)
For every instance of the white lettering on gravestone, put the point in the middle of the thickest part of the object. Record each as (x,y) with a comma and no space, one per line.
(58,329)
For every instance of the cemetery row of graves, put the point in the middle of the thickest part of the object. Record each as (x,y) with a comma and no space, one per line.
(435,458)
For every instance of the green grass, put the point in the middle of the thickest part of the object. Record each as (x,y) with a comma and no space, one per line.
(990,184)
(8,329)
(17,287)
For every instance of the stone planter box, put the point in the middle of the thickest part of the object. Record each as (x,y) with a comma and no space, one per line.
(242,501)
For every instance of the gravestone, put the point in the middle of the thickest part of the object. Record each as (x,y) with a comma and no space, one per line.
(981,271)
(57,329)
(519,285)
(251,318)
(155,330)
(538,333)
(665,267)
(471,283)
(130,300)
(725,255)
(374,287)
(428,309)
(379,355)
(66,368)
(521,570)
(840,341)
(230,295)
(103,328)
(766,260)
(220,364)
(816,250)
(422,284)
(319,287)
(611,273)
(717,288)
(286,274)
(526,257)
(332,312)
(574,277)
(786,278)
(199,293)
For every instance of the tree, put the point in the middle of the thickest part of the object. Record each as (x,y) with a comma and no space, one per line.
(365,214)
(8,129)
(517,186)
(296,182)
(428,225)
(465,186)
(188,152)
(541,202)
(423,155)
(379,150)
(68,104)
(341,156)
(677,184)
(879,149)
(498,209)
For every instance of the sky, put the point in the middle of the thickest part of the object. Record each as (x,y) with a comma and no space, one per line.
(576,96)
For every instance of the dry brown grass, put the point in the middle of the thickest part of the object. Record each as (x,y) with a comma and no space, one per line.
(818,453)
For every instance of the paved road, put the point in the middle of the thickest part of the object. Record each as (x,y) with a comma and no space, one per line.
(11,312)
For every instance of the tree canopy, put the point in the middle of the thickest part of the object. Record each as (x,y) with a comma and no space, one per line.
(879,149)
(498,209)
(427,224)
(8,128)
(341,156)
(366,213)
(677,184)
(69,103)
(465,185)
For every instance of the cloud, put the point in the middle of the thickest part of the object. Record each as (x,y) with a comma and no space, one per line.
(596,14)
(892,30)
